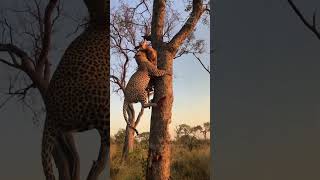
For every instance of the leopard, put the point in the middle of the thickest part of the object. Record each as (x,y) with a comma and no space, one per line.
(151,52)
(77,98)
(152,57)
(135,91)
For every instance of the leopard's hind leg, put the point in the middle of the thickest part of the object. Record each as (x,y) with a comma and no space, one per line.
(100,164)
(144,104)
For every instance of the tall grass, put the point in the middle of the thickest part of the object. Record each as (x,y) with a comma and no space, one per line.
(185,164)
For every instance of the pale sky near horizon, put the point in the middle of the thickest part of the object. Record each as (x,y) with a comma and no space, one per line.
(191,86)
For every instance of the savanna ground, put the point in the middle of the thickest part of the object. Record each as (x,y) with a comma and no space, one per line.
(190,158)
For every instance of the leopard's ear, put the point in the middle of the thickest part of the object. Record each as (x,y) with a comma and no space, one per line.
(144,44)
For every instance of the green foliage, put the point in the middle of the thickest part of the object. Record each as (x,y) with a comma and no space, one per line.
(144,140)
(120,136)
(189,142)
(190,157)
(133,168)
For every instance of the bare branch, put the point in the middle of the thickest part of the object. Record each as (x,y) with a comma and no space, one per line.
(21,92)
(26,62)
(5,101)
(117,81)
(14,49)
(312,26)
(9,64)
(207,69)
(46,36)
(187,28)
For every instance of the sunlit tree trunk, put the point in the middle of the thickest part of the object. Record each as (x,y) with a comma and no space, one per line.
(158,167)
(159,143)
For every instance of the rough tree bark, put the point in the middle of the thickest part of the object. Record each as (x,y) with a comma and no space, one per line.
(159,143)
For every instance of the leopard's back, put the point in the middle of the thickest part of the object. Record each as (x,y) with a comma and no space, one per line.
(136,87)
(79,89)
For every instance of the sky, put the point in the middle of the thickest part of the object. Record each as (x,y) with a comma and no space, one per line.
(191,87)
(266,93)
(20,137)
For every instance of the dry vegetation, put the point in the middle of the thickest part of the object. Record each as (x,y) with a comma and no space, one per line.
(190,157)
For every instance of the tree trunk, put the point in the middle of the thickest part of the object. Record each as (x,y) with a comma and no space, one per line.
(159,143)
(129,138)
(128,143)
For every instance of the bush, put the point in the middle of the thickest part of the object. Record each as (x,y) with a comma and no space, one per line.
(132,169)
(185,164)
(189,165)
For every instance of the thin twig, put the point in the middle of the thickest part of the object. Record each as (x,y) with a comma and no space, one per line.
(201,62)
(312,26)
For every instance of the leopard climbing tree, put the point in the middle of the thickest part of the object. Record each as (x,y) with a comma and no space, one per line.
(158,21)
(136,89)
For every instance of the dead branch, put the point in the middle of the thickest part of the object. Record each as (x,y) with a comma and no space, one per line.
(312,26)
(207,69)
(46,40)
(117,81)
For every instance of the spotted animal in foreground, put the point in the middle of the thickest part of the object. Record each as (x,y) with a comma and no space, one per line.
(135,90)
(78,95)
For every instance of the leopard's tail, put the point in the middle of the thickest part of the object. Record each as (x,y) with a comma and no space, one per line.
(48,139)
(125,112)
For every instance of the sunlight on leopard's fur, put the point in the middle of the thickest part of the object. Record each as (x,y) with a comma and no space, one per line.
(135,90)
